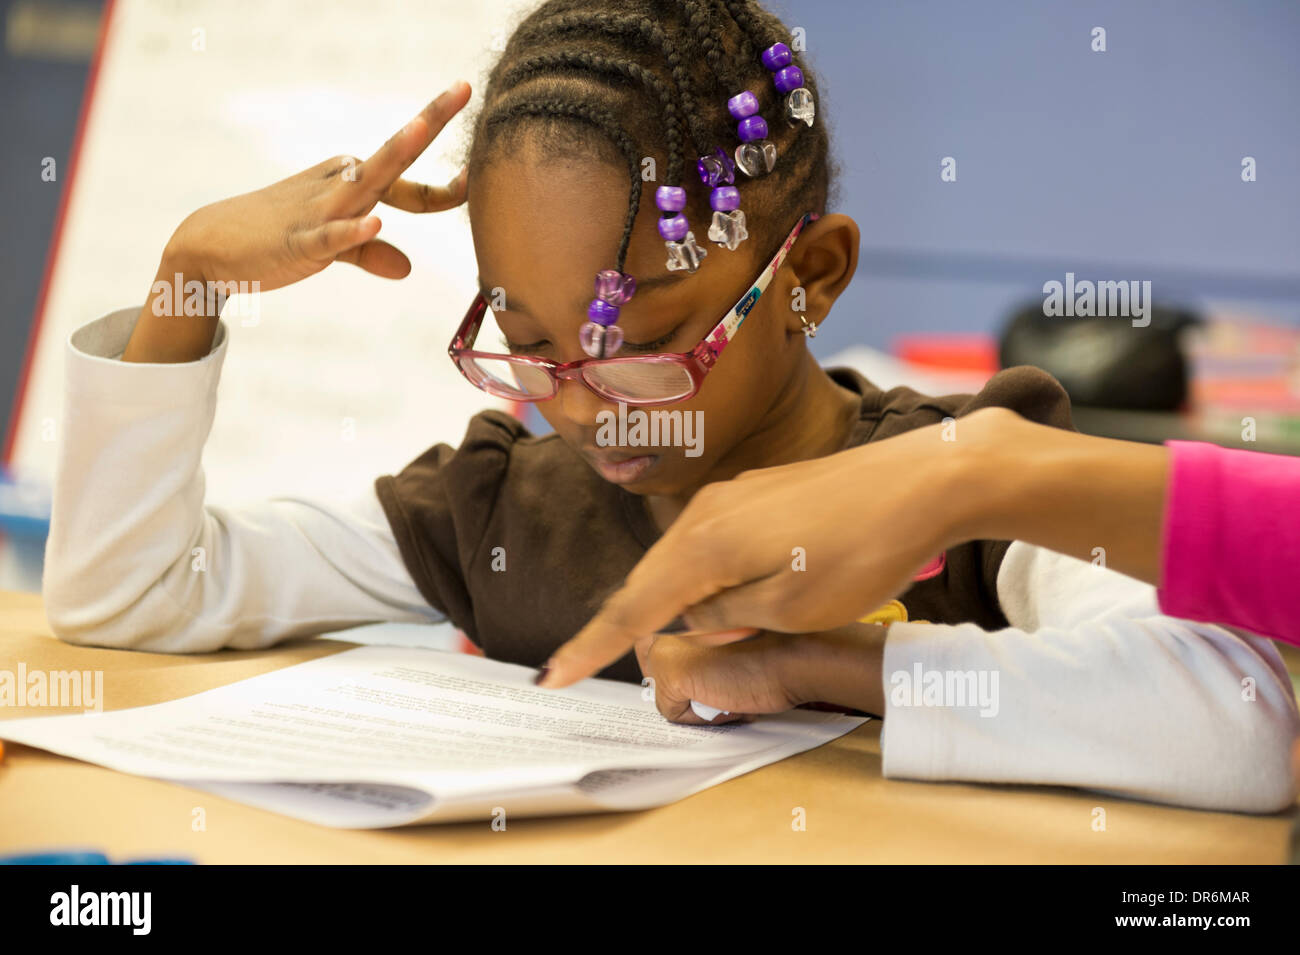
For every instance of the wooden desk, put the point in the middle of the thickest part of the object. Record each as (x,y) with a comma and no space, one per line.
(853,814)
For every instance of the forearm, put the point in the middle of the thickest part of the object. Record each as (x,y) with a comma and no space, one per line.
(164,335)
(1096,499)
(841,666)
(1213,528)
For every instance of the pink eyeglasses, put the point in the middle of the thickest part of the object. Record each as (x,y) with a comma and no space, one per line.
(633,380)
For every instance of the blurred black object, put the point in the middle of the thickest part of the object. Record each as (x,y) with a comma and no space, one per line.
(1105,362)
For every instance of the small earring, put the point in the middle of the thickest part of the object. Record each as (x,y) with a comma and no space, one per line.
(809,328)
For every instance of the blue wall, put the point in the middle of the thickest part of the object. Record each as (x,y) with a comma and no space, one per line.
(1123,164)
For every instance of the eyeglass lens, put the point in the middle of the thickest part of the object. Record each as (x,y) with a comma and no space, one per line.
(630,381)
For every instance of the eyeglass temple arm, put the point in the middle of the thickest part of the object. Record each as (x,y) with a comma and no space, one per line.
(469,325)
(708,350)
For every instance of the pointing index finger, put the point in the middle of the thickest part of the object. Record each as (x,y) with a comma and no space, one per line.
(403,148)
(662,586)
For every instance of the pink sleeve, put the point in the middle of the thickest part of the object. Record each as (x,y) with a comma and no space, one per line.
(1231,539)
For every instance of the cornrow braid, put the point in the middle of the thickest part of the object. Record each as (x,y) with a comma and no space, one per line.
(674,227)
(728,227)
(616,80)
(787,78)
(606,123)
(641,27)
(595,63)
(753,38)
(702,26)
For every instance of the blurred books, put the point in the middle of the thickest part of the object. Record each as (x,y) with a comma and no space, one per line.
(1245,380)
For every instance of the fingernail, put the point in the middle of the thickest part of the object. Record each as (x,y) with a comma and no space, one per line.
(541,675)
(458,87)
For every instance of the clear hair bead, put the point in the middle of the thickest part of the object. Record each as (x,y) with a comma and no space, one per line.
(728,229)
(799,107)
(756,159)
(685,255)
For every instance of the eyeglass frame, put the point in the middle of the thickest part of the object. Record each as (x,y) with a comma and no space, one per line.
(697,362)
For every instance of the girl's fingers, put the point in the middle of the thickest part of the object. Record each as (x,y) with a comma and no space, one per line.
(353,241)
(380,171)
(378,258)
(327,242)
(420,197)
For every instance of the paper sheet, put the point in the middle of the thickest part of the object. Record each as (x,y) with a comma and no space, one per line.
(382,736)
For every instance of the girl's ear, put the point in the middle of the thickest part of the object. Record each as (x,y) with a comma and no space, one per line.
(822,263)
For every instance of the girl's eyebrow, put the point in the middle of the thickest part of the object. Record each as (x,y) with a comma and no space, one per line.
(512,304)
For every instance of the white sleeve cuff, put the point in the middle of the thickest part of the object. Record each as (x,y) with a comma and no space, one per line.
(95,368)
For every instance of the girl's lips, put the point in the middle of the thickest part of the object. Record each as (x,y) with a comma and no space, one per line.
(622,470)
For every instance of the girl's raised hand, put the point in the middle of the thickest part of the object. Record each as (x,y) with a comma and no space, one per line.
(296,227)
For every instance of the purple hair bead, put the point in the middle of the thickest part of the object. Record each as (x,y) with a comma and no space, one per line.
(614,287)
(670,198)
(602,313)
(776,56)
(752,128)
(674,229)
(716,169)
(743,104)
(725,198)
(788,79)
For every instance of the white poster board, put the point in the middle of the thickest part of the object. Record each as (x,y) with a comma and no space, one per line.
(344,376)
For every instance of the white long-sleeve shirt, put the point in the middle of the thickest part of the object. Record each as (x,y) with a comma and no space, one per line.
(1094,687)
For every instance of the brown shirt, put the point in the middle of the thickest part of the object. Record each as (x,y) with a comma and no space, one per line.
(568,537)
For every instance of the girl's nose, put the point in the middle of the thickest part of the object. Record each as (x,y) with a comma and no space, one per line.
(581,405)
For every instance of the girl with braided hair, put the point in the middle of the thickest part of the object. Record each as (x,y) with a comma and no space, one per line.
(687,293)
